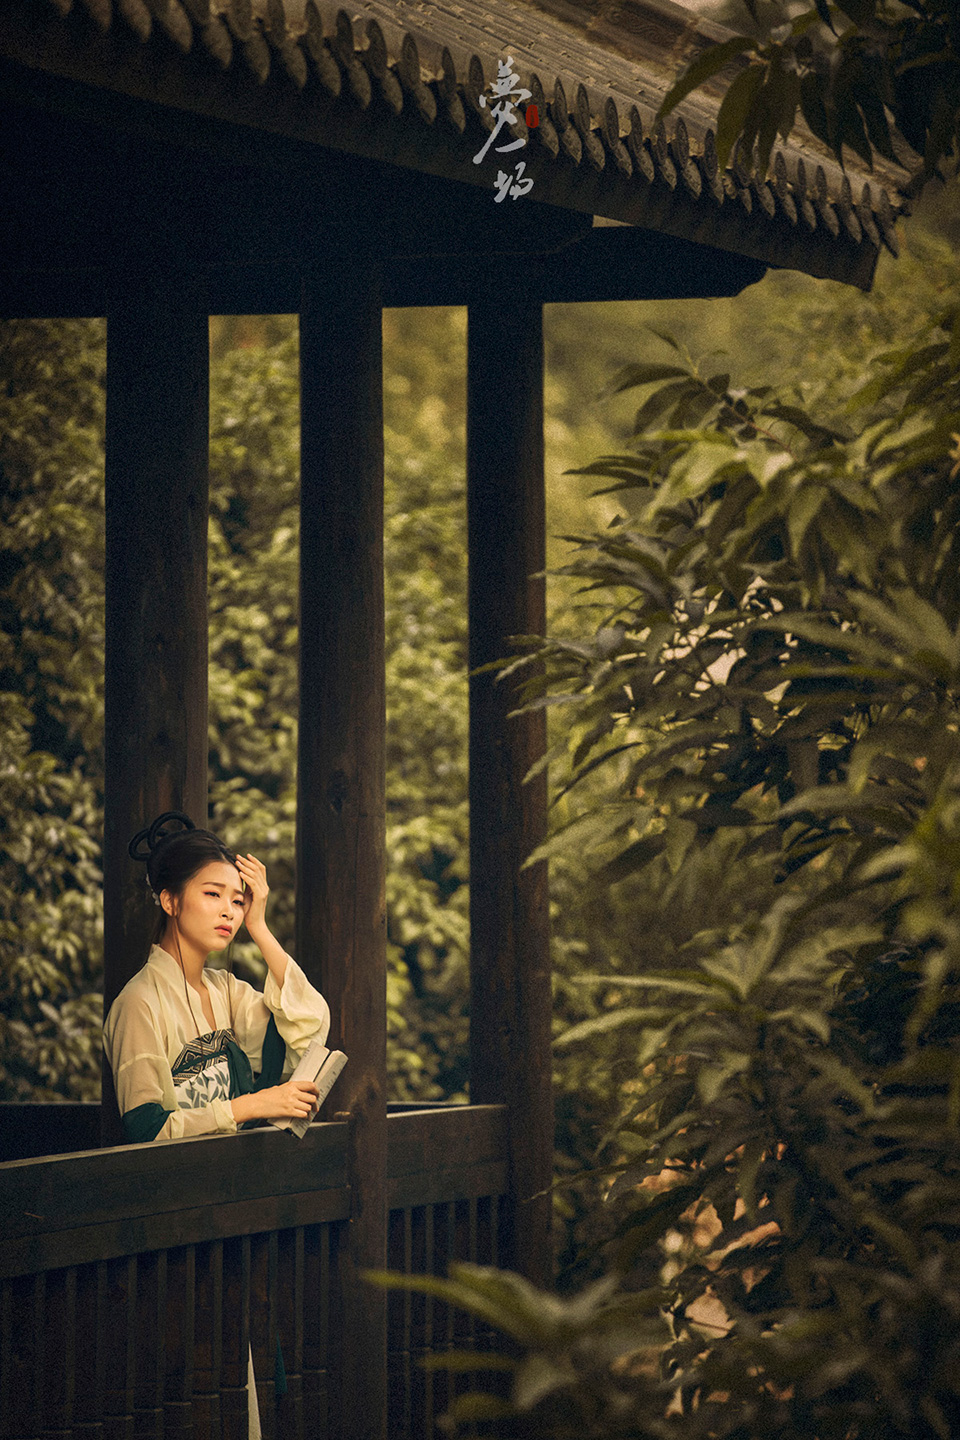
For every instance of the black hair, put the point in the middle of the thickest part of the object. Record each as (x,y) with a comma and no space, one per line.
(173,857)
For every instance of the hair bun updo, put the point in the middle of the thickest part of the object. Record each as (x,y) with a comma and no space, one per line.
(155,834)
(173,855)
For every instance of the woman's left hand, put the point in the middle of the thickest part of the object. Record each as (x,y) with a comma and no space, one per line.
(254,876)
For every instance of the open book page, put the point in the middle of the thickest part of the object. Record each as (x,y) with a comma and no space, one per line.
(322,1066)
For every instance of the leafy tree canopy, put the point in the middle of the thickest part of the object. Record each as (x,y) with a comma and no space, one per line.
(865,75)
(756,740)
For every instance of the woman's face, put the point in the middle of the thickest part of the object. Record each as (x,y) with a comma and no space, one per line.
(210,910)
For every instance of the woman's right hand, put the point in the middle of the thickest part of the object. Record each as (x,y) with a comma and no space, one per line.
(294,1100)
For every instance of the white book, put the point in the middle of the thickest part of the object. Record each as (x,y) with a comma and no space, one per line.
(322,1066)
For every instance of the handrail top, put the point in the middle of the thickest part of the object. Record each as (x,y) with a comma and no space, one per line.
(283,1140)
(68,1157)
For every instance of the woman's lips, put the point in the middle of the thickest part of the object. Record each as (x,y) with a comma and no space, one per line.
(224,930)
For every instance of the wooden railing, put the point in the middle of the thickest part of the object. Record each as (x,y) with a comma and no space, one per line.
(134,1282)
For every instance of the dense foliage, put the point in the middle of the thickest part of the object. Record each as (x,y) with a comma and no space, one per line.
(51,709)
(762,725)
(866,76)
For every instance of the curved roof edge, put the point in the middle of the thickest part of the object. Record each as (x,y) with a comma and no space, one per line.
(352,74)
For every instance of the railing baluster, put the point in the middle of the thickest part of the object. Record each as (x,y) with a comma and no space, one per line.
(26,1391)
(91,1349)
(483,1243)
(235,1338)
(289,1301)
(315,1299)
(208,1341)
(120,1349)
(329,1298)
(430,1318)
(486,1247)
(473,1251)
(263,1325)
(59,1320)
(443,1249)
(180,1330)
(420,1317)
(398,1329)
(15,1354)
(465,1248)
(150,1362)
(35,1320)
(7,1386)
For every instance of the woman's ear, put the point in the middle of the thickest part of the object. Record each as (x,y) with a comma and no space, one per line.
(168,902)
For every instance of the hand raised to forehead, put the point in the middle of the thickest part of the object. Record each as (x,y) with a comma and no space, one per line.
(253,873)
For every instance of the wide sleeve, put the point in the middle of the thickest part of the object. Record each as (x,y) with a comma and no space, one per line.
(300,1012)
(133,1043)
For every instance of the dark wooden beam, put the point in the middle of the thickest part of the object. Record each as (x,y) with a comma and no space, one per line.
(605,263)
(510,1001)
(115,188)
(155,683)
(341,808)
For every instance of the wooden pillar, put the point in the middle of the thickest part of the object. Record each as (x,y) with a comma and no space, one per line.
(341,809)
(510,1061)
(155,683)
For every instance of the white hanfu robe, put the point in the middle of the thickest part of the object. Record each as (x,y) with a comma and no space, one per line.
(175,1077)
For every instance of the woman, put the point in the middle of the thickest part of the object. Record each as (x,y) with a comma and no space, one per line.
(196,1051)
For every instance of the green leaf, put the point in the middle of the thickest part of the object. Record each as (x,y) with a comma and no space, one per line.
(603,1024)
(917,626)
(662,400)
(813,429)
(630,376)
(878,128)
(861,12)
(537,1376)
(803,511)
(656,982)
(703,68)
(634,858)
(736,106)
(476,1407)
(747,1170)
(812,106)
(652,1222)
(839,800)
(849,128)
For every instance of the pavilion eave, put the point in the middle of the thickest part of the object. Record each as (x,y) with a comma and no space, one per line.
(402,84)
